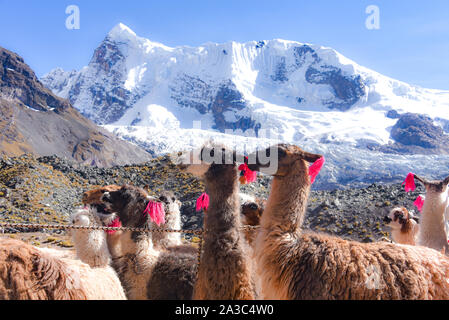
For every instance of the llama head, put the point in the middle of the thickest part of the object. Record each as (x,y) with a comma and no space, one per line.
(129,204)
(400,219)
(210,161)
(94,196)
(171,203)
(81,217)
(252,212)
(434,187)
(87,216)
(436,194)
(281,159)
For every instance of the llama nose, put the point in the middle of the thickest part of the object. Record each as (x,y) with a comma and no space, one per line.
(106,197)
(387,219)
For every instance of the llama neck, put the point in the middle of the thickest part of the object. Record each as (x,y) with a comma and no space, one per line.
(287,203)
(433,213)
(408,237)
(432,231)
(223,213)
(129,243)
(91,247)
(168,239)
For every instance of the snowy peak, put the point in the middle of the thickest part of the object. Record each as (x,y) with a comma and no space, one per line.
(298,91)
(121,32)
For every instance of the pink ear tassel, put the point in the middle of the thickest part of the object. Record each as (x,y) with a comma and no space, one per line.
(156,212)
(419,202)
(248,174)
(114,224)
(202,202)
(315,169)
(409,182)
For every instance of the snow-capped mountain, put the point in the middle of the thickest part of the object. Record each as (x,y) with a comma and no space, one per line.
(168,99)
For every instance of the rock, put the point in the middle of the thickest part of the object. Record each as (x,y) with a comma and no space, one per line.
(416,134)
(393,114)
(336,203)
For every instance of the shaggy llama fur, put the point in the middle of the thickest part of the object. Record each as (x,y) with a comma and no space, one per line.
(225,269)
(146,273)
(297,264)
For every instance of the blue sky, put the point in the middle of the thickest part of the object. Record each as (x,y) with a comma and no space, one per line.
(411,45)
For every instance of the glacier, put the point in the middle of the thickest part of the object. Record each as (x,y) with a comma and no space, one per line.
(167,99)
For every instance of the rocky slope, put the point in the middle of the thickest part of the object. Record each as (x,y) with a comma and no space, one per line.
(47,189)
(34,120)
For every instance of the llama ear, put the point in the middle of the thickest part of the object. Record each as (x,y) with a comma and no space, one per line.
(422,180)
(446,181)
(261,159)
(310,157)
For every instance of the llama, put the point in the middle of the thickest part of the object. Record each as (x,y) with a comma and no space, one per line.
(90,245)
(146,273)
(91,248)
(298,264)
(225,269)
(251,212)
(164,240)
(404,226)
(161,240)
(432,229)
(27,273)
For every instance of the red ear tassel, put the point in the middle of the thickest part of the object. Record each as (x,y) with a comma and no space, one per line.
(156,212)
(202,202)
(315,169)
(419,202)
(247,176)
(409,182)
(114,224)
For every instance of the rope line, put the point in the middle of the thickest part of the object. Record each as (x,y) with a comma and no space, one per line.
(104,228)
(198,232)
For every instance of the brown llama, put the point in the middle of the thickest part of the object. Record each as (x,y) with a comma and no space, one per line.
(27,273)
(225,270)
(146,273)
(161,240)
(298,264)
(251,212)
